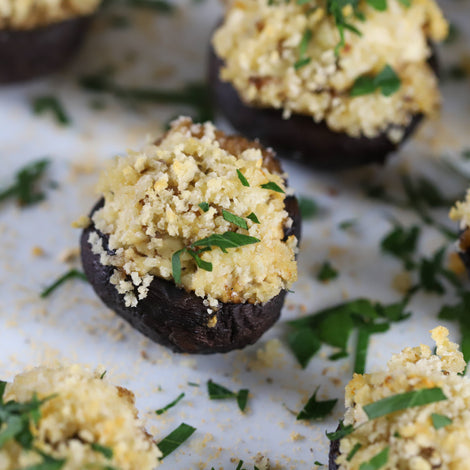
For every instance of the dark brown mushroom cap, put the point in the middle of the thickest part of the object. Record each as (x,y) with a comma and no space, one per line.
(333,454)
(27,54)
(313,144)
(178,319)
(464,248)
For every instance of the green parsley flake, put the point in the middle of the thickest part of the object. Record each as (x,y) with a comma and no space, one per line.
(242,179)
(160,411)
(171,442)
(327,272)
(72,274)
(273,187)
(44,104)
(404,401)
(204,206)
(387,81)
(219,392)
(234,219)
(440,421)
(314,409)
(376,462)
(106,451)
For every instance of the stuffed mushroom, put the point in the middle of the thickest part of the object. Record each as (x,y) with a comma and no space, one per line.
(194,241)
(69,418)
(414,415)
(39,36)
(335,85)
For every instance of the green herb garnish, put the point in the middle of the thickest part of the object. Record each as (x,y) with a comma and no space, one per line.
(353,451)
(253,218)
(51,104)
(24,188)
(106,451)
(377,461)
(387,81)
(72,274)
(304,343)
(234,219)
(204,206)
(379,5)
(219,392)
(273,187)
(401,242)
(160,411)
(335,9)
(440,421)
(162,6)
(171,442)
(347,224)
(103,374)
(343,431)
(308,208)
(242,179)
(327,272)
(303,46)
(404,401)
(314,409)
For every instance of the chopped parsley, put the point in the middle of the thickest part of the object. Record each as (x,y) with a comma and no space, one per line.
(334,326)
(162,6)
(387,81)
(72,274)
(25,186)
(308,208)
(171,442)
(253,218)
(234,219)
(440,421)
(376,462)
(353,451)
(106,451)
(327,272)
(401,242)
(303,46)
(403,401)
(160,411)
(273,187)
(242,179)
(43,104)
(219,392)
(204,206)
(341,432)
(315,409)
(347,224)
(336,9)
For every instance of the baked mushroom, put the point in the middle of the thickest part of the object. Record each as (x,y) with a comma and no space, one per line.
(461,213)
(39,36)
(194,240)
(69,418)
(334,84)
(412,415)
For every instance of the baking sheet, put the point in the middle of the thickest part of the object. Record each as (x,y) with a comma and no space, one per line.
(73,326)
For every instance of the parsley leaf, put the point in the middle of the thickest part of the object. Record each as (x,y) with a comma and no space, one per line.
(106,451)
(377,461)
(314,409)
(253,218)
(242,179)
(327,272)
(24,189)
(387,81)
(204,206)
(72,274)
(401,242)
(303,46)
(234,219)
(341,432)
(440,421)
(308,208)
(353,451)
(160,411)
(304,343)
(402,401)
(273,187)
(44,104)
(219,392)
(171,442)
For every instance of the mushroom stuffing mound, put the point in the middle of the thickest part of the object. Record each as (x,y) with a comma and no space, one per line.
(194,240)
(69,418)
(338,84)
(414,415)
(39,36)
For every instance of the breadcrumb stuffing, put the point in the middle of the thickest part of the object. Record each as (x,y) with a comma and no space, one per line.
(82,410)
(259,42)
(152,210)
(28,14)
(414,442)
